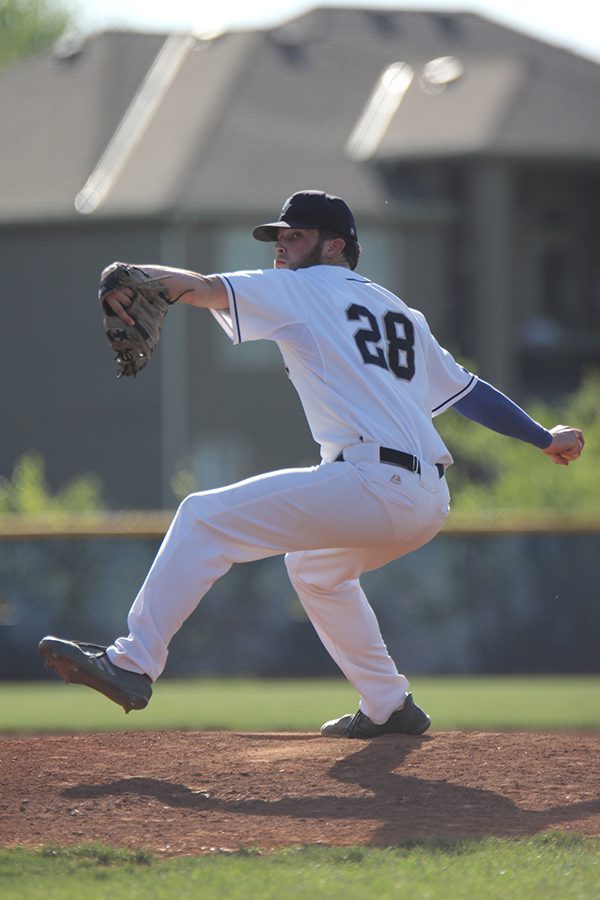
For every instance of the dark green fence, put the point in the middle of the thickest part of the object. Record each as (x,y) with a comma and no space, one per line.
(516,597)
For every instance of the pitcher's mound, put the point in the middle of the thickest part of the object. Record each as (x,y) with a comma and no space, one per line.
(195,792)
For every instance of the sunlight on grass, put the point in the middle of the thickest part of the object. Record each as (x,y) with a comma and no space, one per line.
(552,866)
(493,703)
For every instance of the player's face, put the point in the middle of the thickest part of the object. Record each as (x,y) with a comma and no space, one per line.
(298,248)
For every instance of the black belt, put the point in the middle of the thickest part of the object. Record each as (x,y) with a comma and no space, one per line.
(400,459)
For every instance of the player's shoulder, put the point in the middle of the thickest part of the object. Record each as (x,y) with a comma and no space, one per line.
(270,281)
(419,316)
(322,271)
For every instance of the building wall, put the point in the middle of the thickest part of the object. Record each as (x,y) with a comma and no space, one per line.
(60,395)
(509,280)
(557,284)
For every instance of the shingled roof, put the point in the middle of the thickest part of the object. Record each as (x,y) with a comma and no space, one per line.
(139,125)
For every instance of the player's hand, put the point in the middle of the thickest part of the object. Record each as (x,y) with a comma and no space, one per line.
(567,444)
(117,300)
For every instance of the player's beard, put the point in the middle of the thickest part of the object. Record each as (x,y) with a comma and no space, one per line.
(314,258)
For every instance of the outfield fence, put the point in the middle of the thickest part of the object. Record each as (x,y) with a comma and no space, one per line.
(499,593)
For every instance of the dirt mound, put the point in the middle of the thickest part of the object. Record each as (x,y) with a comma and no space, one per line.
(194,792)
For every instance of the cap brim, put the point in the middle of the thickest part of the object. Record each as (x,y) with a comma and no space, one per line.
(269,231)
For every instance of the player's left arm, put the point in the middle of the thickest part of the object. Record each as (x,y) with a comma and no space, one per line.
(490,407)
(204,291)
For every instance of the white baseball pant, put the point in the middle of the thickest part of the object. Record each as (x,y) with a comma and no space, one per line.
(333,522)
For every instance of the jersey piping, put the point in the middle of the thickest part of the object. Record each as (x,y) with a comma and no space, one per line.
(235,309)
(451,400)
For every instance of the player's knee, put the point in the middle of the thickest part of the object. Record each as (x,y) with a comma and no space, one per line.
(193,509)
(301,573)
(292,563)
(307,577)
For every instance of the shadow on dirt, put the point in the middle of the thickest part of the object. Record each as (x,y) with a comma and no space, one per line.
(376,786)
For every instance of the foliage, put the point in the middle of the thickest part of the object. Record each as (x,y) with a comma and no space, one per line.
(28,492)
(495,472)
(29,26)
(492,472)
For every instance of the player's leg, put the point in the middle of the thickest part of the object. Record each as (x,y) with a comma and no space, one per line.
(329,505)
(299,509)
(327,584)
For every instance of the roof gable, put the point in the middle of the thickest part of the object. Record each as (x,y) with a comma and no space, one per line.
(60,113)
(236,123)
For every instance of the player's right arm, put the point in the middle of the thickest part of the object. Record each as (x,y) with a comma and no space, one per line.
(204,291)
(490,407)
(567,444)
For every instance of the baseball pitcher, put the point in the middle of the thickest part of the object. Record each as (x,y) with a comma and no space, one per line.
(371,378)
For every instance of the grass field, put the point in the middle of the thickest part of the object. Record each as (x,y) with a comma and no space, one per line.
(486,704)
(546,867)
(552,866)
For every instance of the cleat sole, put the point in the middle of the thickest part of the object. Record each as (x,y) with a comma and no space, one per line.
(71,673)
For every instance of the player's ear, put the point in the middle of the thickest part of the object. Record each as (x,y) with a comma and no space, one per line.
(334,248)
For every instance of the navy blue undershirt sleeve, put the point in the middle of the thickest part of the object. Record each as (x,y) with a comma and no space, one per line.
(488,406)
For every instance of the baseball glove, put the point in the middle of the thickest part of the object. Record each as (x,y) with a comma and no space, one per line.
(134,344)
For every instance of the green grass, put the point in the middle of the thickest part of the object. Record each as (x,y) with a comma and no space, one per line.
(487,704)
(549,867)
(552,866)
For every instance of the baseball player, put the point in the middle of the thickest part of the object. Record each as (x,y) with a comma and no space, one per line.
(371,377)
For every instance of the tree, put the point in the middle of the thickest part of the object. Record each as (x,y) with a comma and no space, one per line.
(27,491)
(495,473)
(30,26)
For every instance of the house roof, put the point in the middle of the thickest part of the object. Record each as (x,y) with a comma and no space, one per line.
(492,105)
(133,124)
(58,114)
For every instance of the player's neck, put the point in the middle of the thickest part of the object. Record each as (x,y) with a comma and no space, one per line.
(337,261)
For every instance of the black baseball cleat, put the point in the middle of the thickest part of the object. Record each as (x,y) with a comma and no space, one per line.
(409,720)
(81,663)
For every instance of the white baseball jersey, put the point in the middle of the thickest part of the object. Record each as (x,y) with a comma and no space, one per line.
(369,373)
(365,365)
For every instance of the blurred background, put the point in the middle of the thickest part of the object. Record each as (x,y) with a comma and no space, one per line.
(467,143)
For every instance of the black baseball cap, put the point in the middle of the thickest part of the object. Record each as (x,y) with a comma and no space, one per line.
(311,209)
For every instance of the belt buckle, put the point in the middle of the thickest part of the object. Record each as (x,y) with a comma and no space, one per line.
(416,466)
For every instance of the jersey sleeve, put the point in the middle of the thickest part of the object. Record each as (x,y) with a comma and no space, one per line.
(263,304)
(490,407)
(449,382)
